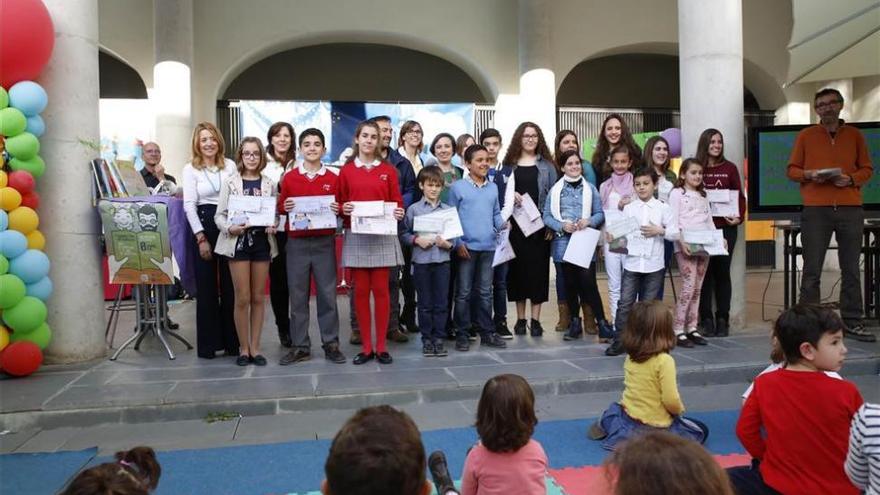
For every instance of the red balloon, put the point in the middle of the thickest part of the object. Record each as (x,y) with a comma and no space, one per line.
(31,200)
(26,40)
(22,181)
(21,358)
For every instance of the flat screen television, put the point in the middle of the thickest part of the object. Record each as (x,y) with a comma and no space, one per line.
(772,196)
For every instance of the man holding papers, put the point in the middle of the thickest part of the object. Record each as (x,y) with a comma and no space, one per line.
(832,205)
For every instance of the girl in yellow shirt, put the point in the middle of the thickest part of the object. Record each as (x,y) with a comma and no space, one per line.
(650,398)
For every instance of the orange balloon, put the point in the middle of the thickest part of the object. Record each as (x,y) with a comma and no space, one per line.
(36,240)
(3,180)
(9,198)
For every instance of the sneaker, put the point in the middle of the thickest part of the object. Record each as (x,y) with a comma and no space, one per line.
(295,356)
(462,345)
(696,338)
(681,340)
(492,340)
(333,354)
(427,349)
(397,336)
(440,473)
(708,327)
(440,350)
(472,333)
(384,358)
(502,330)
(535,328)
(355,338)
(856,330)
(520,327)
(596,432)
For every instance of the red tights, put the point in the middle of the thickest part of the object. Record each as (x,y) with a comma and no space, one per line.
(373,280)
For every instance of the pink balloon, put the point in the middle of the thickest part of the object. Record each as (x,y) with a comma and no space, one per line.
(26,40)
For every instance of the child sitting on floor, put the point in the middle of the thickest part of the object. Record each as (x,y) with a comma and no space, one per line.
(135,472)
(506,459)
(650,393)
(795,423)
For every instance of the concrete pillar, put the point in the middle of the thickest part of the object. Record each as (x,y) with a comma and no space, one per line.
(537,80)
(76,312)
(711,73)
(866,99)
(172,81)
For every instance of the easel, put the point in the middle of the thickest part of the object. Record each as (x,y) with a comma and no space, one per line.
(151,307)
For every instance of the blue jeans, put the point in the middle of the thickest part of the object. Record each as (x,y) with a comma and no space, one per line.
(474,276)
(560,284)
(645,286)
(499,292)
(432,286)
(668,250)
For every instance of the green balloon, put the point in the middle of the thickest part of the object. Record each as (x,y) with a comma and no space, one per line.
(4,265)
(12,122)
(36,166)
(12,290)
(25,316)
(41,336)
(4,98)
(24,146)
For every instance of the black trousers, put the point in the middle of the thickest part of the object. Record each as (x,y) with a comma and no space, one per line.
(717,281)
(279,295)
(747,480)
(215,296)
(580,287)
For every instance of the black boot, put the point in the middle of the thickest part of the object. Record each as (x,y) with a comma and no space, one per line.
(284,337)
(535,328)
(616,347)
(721,327)
(708,328)
(606,331)
(574,331)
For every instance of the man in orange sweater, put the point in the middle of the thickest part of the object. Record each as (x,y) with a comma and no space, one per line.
(831,162)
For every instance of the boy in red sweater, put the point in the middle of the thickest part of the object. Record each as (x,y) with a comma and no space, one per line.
(804,413)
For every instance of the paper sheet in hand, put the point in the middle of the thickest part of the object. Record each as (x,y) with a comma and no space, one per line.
(451,223)
(622,226)
(427,224)
(718,195)
(527,216)
(828,173)
(368,208)
(716,247)
(702,237)
(385,224)
(504,249)
(726,209)
(581,247)
(312,213)
(259,210)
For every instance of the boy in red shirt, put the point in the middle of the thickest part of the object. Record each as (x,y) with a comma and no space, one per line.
(804,413)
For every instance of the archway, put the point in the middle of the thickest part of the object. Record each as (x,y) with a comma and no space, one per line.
(118,79)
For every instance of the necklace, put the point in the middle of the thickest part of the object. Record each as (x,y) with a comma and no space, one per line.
(208,177)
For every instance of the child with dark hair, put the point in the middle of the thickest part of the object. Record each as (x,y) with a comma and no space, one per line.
(431,265)
(507,459)
(650,398)
(378,451)
(660,463)
(796,422)
(135,472)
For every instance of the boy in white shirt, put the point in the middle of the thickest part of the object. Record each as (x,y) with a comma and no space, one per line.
(643,267)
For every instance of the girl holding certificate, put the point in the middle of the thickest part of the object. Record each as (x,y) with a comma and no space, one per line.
(248,248)
(202,179)
(367,178)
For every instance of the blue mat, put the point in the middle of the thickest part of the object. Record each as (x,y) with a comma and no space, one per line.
(299,466)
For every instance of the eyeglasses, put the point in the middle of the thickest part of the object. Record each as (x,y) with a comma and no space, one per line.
(250,155)
(826,104)
(415,133)
(530,137)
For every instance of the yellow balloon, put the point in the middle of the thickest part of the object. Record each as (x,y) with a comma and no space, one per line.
(4,337)
(24,220)
(9,198)
(3,179)
(36,240)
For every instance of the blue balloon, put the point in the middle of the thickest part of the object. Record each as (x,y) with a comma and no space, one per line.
(29,97)
(30,266)
(41,289)
(4,220)
(12,243)
(35,125)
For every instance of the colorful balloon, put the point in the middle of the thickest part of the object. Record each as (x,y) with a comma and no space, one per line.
(30,266)
(42,289)
(24,146)
(4,265)
(36,240)
(10,199)
(31,200)
(4,337)
(3,177)
(21,358)
(26,40)
(12,291)
(25,316)
(12,243)
(24,220)
(21,181)
(36,166)
(41,336)
(4,220)
(29,97)
(4,98)
(35,125)
(673,137)
(12,122)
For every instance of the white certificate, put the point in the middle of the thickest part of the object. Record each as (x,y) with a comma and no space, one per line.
(368,208)
(259,211)
(581,247)
(716,247)
(504,249)
(282,223)
(527,216)
(384,224)
(718,195)
(427,224)
(728,209)
(451,223)
(312,213)
(622,226)
(702,237)
(828,173)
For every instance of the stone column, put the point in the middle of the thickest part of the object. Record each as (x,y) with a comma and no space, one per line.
(172,81)
(76,311)
(537,80)
(710,54)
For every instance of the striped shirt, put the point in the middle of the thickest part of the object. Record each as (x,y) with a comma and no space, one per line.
(863,459)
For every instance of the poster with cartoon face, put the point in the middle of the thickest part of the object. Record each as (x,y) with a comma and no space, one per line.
(138,247)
